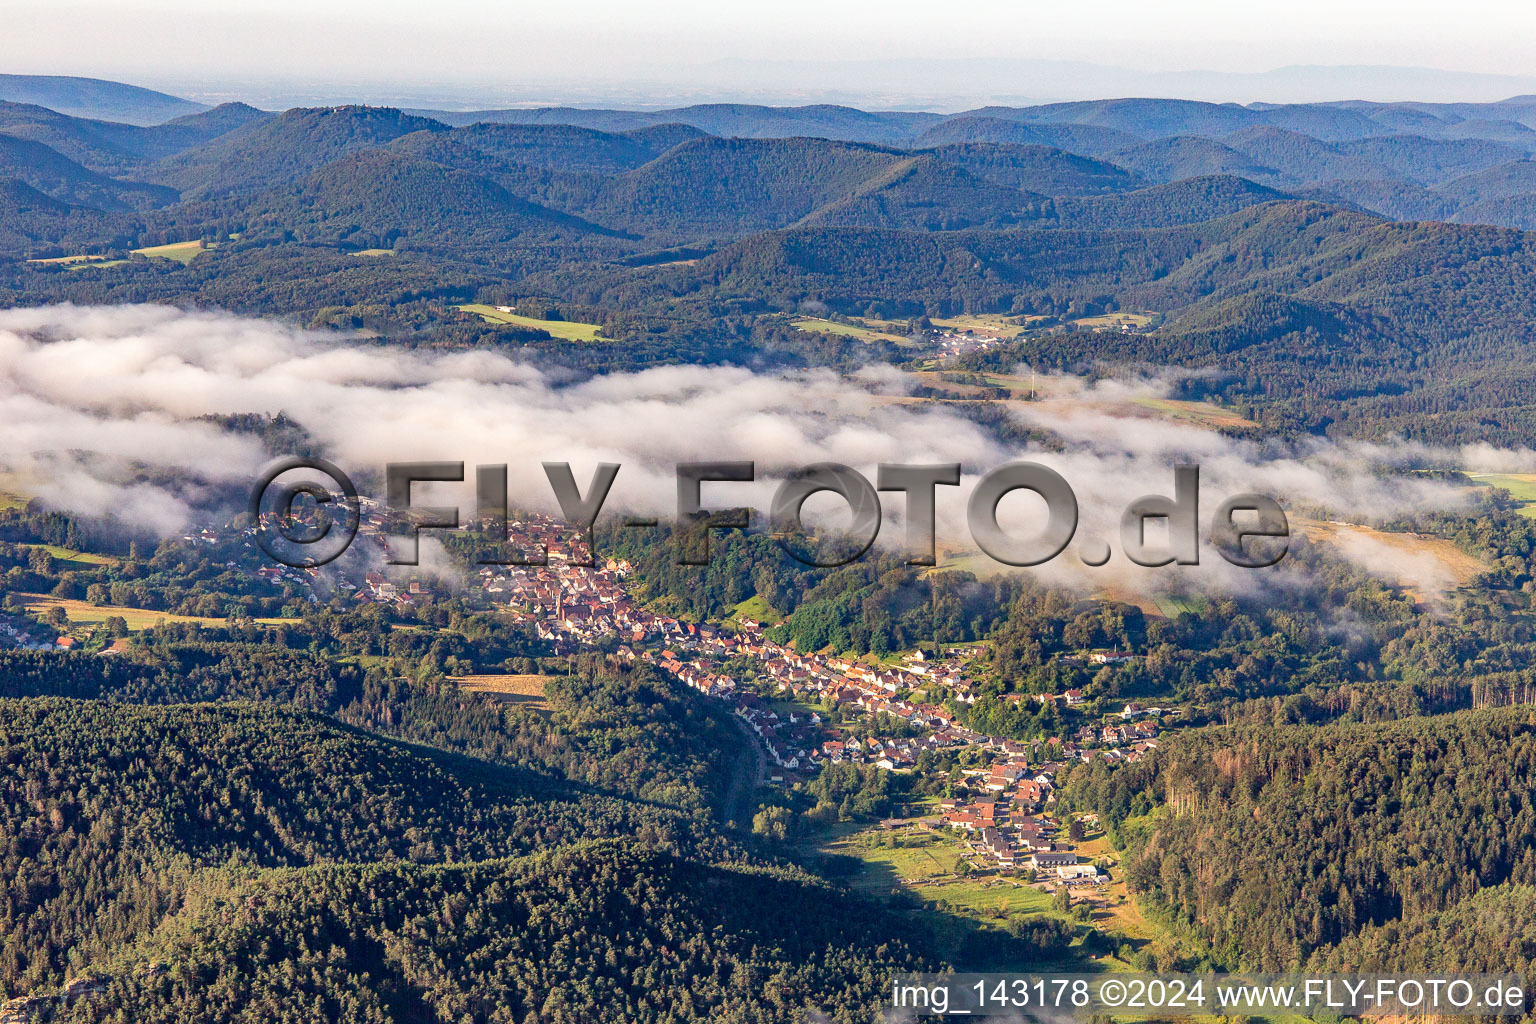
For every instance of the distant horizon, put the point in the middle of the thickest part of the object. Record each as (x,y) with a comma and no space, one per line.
(1200,86)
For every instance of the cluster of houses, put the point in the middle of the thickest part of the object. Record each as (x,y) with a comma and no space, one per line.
(22,635)
(801,741)
(954,343)
(1133,737)
(570,605)
(1006,822)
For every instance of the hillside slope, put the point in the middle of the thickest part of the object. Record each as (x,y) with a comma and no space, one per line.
(1251,816)
(108,807)
(598,933)
(276,151)
(55,175)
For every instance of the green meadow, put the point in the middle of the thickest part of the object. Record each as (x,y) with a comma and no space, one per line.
(860,331)
(1521,487)
(179,252)
(568,330)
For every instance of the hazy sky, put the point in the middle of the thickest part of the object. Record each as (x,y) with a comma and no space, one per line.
(473,45)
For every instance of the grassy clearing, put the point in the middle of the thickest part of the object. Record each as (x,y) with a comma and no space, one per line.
(1201,413)
(922,858)
(971,561)
(1021,385)
(373,252)
(1521,487)
(179,252)
(9,501)
(523,690)
(991,325)
(80,262)
(1127,595)
(69,261)
(75,559)
(859,330)
(83,614)
(566,330)
(1141,318)
(996,897)
(755,607)
(1173,607)
(1424,566)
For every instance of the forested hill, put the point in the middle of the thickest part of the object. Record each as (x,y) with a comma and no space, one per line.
(136,830)
(621,729)
(596,933)
(1277,847)
(108,807)
(190,856)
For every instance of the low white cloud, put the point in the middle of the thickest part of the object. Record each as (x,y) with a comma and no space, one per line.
(102,407)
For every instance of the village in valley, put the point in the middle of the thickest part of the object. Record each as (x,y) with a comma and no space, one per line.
(799,707)
(803,710)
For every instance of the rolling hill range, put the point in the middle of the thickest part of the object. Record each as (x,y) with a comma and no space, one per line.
(665,183)
(276,151)
(1139,118)
(1403,217)
(141,869)
(740,120)
(112,148)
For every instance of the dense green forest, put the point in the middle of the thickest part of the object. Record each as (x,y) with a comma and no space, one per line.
(111,808)
(119,812)
(595,932)
(616,727)
(1279,847)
